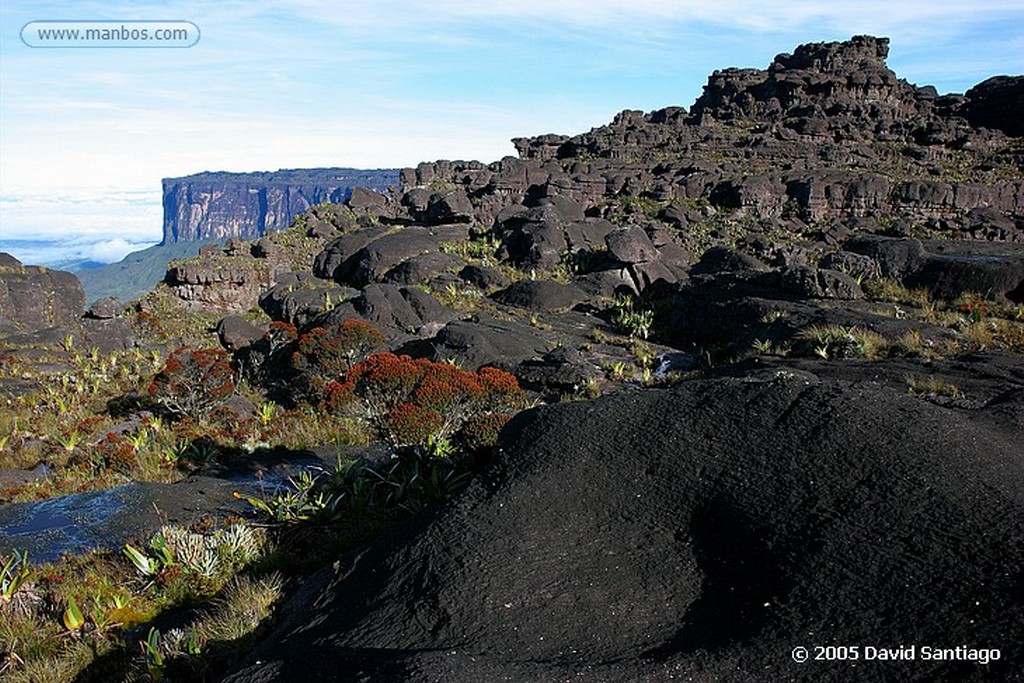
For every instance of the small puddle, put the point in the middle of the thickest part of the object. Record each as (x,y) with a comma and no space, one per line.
(78,522)
(973,258)
(49,528)
(674,362)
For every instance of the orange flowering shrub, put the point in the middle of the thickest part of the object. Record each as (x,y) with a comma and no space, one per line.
(194,382)
(422,404)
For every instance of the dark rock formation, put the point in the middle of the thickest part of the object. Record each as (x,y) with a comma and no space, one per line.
(707,530)
(397,312)
(105,308)
(236,333)
(956,268)
(540,295)
(248,205)
(42,307)
(32,298)
(823,137)
(483,340)
(997,103)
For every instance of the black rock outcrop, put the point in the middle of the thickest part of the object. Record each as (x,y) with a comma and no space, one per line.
(997,103)
(33,298)
(704,531)
(43,307)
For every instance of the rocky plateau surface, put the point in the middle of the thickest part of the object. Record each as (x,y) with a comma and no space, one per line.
(818,267)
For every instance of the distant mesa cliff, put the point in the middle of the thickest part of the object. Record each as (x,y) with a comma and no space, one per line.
(219,205)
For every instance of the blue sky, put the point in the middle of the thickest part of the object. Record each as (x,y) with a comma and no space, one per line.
(383,83)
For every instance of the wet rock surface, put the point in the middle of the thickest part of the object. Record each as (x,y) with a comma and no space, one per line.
(107,519)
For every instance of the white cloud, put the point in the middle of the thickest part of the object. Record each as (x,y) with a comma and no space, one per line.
(761,15)
(109,251)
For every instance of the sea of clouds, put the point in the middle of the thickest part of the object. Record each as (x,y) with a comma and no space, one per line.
(79,225)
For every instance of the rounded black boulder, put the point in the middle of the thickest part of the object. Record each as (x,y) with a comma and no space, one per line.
(697,533)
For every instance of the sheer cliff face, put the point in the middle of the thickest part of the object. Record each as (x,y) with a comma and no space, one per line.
(248,205)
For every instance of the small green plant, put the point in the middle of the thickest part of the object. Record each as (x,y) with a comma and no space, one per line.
(931,386)
(643,353)
(836,341)
(632,318)
(72,618)
(146,565)
(14,574)
(139,439)
(154,656)
(150,564)
(70,441)
(267,410)
(614,369)
(774,315)
(303,500)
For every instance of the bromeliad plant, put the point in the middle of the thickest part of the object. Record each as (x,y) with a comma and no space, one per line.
(14,575)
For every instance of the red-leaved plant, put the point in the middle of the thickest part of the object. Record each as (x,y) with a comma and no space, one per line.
(324,354)
(332,351)
(194,382)
(426,405)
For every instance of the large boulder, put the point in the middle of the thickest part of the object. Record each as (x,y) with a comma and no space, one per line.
(896,257)
(819,283)
(399,313)
(34,298)
(535,238)
(419,269)
(705,532)
(450,207)
(995,271)
(484,340)
(335,262)
(631,245)
(540,295)
(373,261)
(997,103)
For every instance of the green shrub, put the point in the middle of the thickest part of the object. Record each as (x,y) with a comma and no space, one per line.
(836,341)
(631,317)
